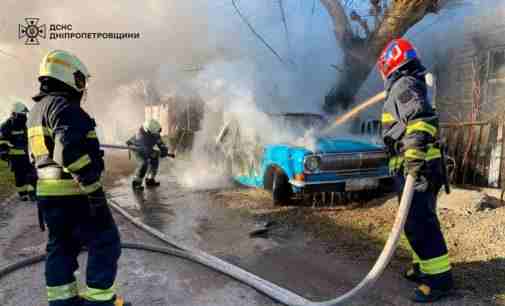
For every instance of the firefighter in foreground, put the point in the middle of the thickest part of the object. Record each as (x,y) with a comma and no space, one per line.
(410,132)
(13,149)
(63,142)
(147,157)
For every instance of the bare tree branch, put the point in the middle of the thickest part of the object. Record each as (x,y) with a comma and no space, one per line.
(283,15)
(341,24)
(249,25)
(399,17)
(361,21)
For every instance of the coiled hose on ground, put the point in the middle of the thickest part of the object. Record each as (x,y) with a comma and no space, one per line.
(273,291)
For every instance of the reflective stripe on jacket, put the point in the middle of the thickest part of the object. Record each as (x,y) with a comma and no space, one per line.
(63,142)
(409,123)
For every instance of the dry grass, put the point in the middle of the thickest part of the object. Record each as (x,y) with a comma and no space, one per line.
(360,230)
(6,181)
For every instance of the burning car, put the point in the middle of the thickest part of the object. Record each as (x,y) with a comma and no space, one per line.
(295,166)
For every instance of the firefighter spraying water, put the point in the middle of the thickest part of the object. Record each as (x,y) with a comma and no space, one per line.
(410,133)
(148,159)
(142,144)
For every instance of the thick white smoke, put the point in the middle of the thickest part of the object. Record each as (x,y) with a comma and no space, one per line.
(198,47)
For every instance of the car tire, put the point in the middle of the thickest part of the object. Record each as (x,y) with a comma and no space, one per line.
(281,189)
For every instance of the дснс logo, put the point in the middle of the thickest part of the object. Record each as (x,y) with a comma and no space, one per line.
(32,31)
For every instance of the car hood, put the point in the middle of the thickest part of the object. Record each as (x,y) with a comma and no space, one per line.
(325,145)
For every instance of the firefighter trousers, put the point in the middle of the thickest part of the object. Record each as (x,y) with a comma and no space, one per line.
(422,228)
(71,227)
(146,165)
(24,174)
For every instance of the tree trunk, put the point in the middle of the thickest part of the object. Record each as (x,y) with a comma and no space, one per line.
(361,53)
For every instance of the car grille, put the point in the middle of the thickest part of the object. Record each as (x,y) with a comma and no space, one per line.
(353,161)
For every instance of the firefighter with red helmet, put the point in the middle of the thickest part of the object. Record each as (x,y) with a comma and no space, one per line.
(410,133)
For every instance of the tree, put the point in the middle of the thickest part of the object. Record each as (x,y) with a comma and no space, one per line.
(391,19)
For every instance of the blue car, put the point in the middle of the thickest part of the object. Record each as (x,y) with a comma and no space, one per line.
(295,168)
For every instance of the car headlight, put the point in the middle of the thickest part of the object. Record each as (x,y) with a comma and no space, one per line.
(312,163)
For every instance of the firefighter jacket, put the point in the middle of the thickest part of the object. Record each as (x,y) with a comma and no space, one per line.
(410,124)
(146,141)
(63,142)
(13,138)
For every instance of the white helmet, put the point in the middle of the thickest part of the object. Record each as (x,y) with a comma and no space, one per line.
(152,126)
(65,67)
(19,108)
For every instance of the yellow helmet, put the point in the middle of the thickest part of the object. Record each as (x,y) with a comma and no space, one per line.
(19,108)
(65,67)
(152,126)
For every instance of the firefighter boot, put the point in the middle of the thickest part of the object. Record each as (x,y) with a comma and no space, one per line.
(120,302)
(137,186)
(414,274)
(150,182)
(434,288)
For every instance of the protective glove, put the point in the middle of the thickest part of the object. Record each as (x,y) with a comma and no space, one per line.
(413,167)
(163,153)
(392,146)
(154,154)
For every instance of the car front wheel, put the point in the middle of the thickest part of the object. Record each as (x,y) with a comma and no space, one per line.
(281,189)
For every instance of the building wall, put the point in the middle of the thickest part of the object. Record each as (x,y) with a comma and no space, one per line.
(475,61)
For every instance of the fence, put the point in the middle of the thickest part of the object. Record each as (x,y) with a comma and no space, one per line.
(477,150)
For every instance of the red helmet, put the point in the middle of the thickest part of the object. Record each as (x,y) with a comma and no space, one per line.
(396,54)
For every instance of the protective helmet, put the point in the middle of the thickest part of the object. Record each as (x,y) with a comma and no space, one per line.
(19,108)
(396,54)
(65,67)
(152,126)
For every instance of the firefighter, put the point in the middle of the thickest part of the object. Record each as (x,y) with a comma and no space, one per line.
(148,158)
(63,142)
(410,133)
(13,149)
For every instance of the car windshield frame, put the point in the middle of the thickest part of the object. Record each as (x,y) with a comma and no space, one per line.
(295,119)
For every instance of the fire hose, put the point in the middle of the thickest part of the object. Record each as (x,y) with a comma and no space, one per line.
(275,292)
(128,148)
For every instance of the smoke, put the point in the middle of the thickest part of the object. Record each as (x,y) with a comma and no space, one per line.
(193,47)
(177,39)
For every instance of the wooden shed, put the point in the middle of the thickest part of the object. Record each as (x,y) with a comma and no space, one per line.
(179,117)
(471,99)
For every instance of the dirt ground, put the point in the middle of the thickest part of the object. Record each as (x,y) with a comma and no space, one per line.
(359,230)
(338,242)
(118,165)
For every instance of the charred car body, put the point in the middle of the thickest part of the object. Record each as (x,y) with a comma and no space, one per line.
(308,165)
